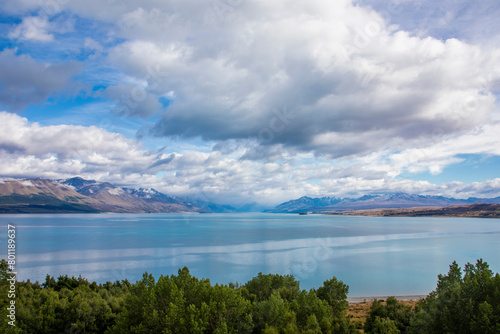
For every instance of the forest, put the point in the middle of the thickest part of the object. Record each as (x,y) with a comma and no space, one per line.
(465,301)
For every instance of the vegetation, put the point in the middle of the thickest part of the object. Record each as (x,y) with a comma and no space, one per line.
(477,210)
(182,303)
(461,303)
(393,317)
(175,304)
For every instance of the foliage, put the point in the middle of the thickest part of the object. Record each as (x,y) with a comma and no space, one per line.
(468,303)
(178,303)
(383,326)
(393,317)
(262,286)
(334,292)
(463,302)
(181,303)
(78,309)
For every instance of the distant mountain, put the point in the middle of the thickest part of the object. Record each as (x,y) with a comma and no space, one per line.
(224,208)
(306,204)
(118,199)
(87,187)
(79,195)
(367,202)
(42,196)
(252,207)
(212,207)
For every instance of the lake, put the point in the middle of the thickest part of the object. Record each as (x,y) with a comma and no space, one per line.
(373,255)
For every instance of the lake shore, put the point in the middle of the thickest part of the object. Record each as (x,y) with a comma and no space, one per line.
(470,211)
(357,300)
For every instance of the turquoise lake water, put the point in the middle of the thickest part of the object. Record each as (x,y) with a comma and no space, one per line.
(373,255)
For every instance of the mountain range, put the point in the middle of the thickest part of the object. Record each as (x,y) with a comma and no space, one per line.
(76,195)
(368,202)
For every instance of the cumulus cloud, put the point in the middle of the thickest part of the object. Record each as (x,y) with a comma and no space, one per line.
(318,98)
(444,19)
(29,149)
(25,81)
(349,81)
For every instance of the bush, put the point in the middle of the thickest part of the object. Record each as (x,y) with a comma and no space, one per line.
(468,303)
(392,314)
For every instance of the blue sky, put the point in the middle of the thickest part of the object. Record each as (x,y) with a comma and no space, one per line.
(241,101)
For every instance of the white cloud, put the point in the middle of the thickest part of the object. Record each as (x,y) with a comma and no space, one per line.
(33,28)
(473,21)
(317,98)
(66,150)
(31,150)
(93,45)
(351,83)
(443,151)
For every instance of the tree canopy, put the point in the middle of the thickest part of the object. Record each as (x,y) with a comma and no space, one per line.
(182,303)
(464,301)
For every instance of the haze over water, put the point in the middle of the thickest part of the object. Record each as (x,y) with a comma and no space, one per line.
(373,255)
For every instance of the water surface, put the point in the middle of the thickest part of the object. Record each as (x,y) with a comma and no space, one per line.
(373,255)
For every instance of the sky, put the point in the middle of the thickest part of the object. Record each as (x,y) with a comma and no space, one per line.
(238,101)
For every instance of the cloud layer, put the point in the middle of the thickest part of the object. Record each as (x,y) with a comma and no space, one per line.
(333,78)
(25,81)
(31,150)
(317,98)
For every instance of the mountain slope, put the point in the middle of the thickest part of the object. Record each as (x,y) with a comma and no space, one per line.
(306,204)
(39,196)
(116,199)
(367,202)
(78,195)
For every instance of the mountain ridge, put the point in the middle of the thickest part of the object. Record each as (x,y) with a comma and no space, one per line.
(76,195)
(73,195)
(396,200)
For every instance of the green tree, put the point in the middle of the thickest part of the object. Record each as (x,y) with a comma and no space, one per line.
(183,304)
(307,303)
(270,312)
(334,292)
(312,325)
(383,326)
(79,310)
(262,286)
(5,300)
(468,303)
(398,313)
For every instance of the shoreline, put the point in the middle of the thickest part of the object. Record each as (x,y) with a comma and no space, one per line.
(357,300)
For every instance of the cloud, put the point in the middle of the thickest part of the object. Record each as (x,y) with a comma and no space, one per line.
(318,98)
(33,28)
(29,149)
(25,81)
(93,45)
(133,100)
(438,155)
(444,19)
(349,82)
